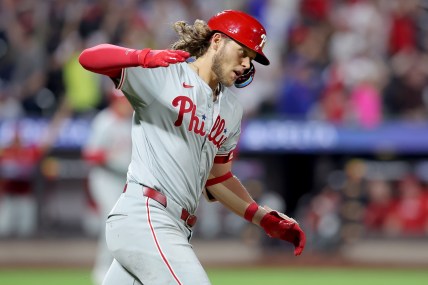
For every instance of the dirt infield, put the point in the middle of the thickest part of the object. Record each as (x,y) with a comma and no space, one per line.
(225,253)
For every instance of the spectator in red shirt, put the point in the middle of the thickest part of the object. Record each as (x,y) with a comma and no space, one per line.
(409,216)
(18,208)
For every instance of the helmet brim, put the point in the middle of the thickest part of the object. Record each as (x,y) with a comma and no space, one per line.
(262,59)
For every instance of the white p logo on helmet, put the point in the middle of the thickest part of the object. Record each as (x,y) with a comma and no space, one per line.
(263,42)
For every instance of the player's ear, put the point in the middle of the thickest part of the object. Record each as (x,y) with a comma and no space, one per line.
(215,41)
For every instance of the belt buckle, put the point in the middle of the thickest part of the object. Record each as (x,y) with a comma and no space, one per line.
(191,220)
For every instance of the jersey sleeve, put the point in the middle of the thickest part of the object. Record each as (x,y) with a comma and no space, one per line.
(226,151)
(142,85)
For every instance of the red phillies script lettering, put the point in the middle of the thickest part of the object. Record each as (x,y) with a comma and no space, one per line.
(186,106)
(216,134)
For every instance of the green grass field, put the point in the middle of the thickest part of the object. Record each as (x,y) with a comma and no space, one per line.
(248,276)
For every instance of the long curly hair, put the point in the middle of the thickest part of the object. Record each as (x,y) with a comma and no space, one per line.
(194,39)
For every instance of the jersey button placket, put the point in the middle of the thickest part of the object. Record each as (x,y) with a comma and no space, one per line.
(209,121)
(205,150)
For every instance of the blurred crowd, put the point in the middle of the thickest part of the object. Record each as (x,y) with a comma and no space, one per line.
(344,61)
(357,62)
(367,199)
(40,42)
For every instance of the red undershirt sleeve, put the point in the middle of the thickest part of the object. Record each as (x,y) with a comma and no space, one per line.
(109,59)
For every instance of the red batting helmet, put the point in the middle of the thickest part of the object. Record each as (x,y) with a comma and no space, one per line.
(242,28)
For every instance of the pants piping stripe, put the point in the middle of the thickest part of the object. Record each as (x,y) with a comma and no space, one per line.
(158,246)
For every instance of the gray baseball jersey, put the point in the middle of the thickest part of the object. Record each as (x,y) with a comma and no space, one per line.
(177,133)
(178,130)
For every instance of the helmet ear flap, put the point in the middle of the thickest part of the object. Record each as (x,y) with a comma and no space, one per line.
(245,79)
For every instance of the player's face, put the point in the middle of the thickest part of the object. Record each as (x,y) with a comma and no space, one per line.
(230,62)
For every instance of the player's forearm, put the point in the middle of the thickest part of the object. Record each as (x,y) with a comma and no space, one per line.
(109,59)
(236,198)
(228,198)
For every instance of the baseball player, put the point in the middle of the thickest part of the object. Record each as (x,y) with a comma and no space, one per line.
(108,151)
(186,125)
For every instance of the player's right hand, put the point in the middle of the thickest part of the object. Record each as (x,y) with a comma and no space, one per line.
(162,58)
(278,225)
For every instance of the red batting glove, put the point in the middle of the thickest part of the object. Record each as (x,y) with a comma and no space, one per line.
(276,226)
(149,58)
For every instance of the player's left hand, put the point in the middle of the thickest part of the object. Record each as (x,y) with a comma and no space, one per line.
(163,58)
(279,225)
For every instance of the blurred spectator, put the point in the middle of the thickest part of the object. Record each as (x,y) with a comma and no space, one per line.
(212,214)
(108,150)
(277,17)
(82,88)
(301,90)
(365,95)
(356,73)
(333,105)
(321,209)
(10,108)
(18,208)
(322,219)
(379,206)
(304,61)
(409,215)
(403,31)
(315,11)
(407,88)
(352,207)
(28,73)
(353,95)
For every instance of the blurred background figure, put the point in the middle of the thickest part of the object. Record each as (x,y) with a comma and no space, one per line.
(409,214)
(320,210)
(380,201)
(323,220)
(108,151)
(213,214)
(18,207)
(352,206)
